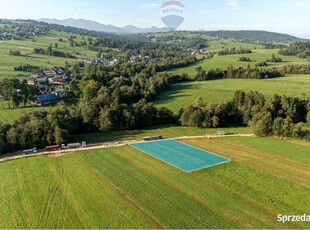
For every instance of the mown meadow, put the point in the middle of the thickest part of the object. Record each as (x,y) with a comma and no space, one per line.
(183,94)
(26,47)
(124,188)
(223,62)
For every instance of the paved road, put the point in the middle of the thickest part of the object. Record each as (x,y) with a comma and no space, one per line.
(17,156)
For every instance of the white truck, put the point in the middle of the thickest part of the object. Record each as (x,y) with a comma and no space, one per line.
(74,145)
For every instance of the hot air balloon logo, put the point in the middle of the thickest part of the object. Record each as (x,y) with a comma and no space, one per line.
(172,14)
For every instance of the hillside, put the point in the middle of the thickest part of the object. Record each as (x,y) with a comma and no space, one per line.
(255,35)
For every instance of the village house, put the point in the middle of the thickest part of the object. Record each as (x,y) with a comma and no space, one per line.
(46,99)
(49,72)
(61,92)
(32,80)
(61,81)
(195,52)
(58,70)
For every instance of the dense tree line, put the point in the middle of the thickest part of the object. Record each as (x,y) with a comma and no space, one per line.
(239,73)
(234,51)
(299,49)
(179,39)
(281,116)
(252,35)
(111,98)
(273,46)
(28,68)
(56,125)
(50,52)
(296,69)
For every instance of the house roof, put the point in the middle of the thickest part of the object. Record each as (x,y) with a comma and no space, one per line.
(59,79)
(48,71)
(47,97)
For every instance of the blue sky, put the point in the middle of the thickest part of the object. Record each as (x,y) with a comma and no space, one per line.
(287,16)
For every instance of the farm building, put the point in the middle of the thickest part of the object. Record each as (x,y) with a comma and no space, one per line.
(61,81)
(32,80)
(46,99)
(49,72)
(61,92)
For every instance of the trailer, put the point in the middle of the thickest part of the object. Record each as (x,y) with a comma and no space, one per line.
(74,146)
(30,151)
(52,148)
(154,138)
(221,133)
(146,138)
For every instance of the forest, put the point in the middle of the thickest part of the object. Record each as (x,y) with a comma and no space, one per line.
(299,49)
(281,116)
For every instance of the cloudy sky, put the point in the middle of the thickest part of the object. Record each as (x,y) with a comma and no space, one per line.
(286,16)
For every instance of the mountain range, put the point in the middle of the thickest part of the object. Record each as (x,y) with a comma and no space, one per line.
(96,26)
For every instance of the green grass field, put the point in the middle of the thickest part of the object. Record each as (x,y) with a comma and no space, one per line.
(183,94)
(7,62)
(125,188)
(223,62)
(168,131)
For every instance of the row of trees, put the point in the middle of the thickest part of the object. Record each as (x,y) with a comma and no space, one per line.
(239,73)
(234,51)
(299,49)
(28,68)
(50,52)
(56,125)
(280,116)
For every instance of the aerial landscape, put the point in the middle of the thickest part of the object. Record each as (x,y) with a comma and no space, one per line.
(154,115)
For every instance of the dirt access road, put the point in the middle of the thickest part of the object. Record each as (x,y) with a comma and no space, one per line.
(19,155)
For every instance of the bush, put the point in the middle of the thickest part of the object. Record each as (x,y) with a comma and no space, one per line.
(308,118)
(15,53)
(245,59)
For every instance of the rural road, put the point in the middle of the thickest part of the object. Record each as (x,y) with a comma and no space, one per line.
(16,156)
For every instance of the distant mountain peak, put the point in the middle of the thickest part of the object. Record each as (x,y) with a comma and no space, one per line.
(96,26)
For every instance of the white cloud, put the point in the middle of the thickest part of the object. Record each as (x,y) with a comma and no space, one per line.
(150,6)
(233,4)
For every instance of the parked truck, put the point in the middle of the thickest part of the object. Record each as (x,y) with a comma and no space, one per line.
(63,146)
(155,138)
(52,148)
(30,151)
(74,145)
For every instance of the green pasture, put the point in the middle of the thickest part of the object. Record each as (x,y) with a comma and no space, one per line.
(223,62)
(123,188)
(7,62)
(183,94)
